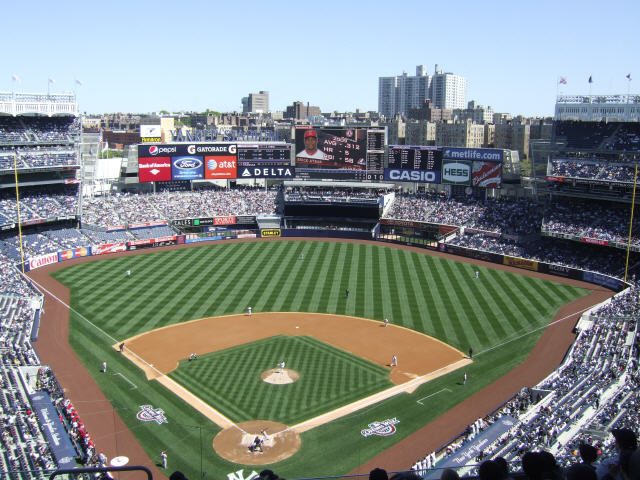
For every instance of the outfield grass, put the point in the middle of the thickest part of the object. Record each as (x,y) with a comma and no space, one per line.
(501,313)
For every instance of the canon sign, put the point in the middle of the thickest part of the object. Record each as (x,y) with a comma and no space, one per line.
(43,260)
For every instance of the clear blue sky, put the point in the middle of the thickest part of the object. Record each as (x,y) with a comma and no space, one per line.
(143,56)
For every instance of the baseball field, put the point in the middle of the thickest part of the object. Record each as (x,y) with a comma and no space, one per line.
(336,348)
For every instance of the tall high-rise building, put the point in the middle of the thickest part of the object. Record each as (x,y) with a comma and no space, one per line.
(256,102)
(397,95)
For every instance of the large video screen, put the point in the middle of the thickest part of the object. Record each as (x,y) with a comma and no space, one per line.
(331,148)
(262,154)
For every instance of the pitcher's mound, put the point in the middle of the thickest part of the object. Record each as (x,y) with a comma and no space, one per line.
(279,376)
(233,443)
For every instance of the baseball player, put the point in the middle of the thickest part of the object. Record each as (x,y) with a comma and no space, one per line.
(249,311)
(264,435)
(464,378)
(104,366)
(477,274)
(163,456)
(128,273)
(122,347)
(281,365)
(386,321)
(347,292)
(394,361)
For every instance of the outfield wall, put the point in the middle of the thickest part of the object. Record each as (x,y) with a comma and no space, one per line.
(524,263)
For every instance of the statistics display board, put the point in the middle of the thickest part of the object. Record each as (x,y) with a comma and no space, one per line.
(258,155)
(415,158)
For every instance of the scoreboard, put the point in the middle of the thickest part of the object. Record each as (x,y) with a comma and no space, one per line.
(415,158)
(257,155)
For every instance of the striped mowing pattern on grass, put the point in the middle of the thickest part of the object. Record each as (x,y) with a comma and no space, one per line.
(329,378)
(436,296)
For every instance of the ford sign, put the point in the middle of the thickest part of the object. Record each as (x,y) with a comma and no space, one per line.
(187,163)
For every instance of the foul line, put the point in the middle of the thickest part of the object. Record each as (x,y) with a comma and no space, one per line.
(127,380)
(428,396)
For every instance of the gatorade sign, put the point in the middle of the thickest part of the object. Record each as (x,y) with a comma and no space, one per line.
(456,172)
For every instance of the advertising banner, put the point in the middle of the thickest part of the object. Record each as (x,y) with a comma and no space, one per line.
(266,172)
(486,174)
(150,133)
(521,263)
(109,248)
(595,241)
(456,172)
(152,242)
(187,168)
(75,253)
(479,154)
(54,431)
(220,167)
(230,220)
(154,169)
(270,232)
(42,260)
(604,280)
(133,226)
(403,175)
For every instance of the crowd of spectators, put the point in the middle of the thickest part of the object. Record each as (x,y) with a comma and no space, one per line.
(38,129)
(600,221)
(123,209)
(39,203)
(594,392)
(592,170)
(513,217)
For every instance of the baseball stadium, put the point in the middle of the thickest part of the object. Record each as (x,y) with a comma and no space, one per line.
(234,309)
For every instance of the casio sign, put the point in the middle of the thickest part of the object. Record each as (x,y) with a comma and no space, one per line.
(187,163)
(412,175)
(456,172)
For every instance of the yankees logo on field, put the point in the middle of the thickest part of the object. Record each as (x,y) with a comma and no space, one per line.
(149,414)
(382,429)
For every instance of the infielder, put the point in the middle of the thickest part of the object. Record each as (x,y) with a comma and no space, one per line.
(464,378)
(249,311)
(394,361)
(163,456)
(281,365)
(386,321)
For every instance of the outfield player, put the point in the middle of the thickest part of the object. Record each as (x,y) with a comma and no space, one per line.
(464,378)
(104,366)
(163,456)
(386,321)
(128,273)
(477,274)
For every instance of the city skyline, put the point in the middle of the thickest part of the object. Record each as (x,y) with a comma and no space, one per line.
(145,56)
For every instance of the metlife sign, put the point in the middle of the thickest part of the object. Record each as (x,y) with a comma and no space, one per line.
(266,172)
(456,172)
(404,175)
(478,154)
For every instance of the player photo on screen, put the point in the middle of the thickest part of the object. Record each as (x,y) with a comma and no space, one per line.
(331,148)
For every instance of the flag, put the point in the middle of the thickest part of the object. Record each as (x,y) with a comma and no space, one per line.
(105,147)
(15,78)
(78,82)
(590,79)
(51,80)
(628,76)
(563,80)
